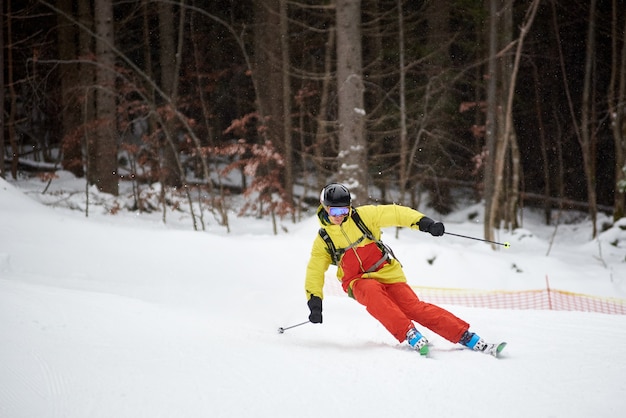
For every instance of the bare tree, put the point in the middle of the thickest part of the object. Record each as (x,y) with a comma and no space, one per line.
(104,173)
(587,135)
(273,91)
(12,94)
(438,98)
(170,59)
(491,126)
(86,78)
(404,141)
(502,123)
(617,111)
(288,179)
(351,114)
(414,54)
(321,121)
(71,108)
(268,71)
(2,173)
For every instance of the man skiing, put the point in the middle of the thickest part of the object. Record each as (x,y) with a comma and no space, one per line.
(350,238)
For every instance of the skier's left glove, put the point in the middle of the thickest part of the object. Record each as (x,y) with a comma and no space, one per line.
(436,229)
(315,306)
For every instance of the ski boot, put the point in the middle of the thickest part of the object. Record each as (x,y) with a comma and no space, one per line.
(417,341)
(474,342)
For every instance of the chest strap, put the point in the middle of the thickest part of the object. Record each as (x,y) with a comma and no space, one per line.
(337,253)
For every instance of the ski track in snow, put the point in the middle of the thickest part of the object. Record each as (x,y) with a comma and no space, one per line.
(28,373)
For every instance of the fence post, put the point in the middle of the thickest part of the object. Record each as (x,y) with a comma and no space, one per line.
(549,294)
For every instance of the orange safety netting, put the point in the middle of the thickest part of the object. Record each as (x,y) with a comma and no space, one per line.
(542,299)
(548,299)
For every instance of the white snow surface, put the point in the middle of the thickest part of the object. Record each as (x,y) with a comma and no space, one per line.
(121,315)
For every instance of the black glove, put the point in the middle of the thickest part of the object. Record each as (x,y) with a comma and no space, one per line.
(315,305)
(436,229)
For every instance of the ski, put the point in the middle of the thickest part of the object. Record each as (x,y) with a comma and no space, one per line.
(493,349)
(497,349)
(428,349)
(424,350)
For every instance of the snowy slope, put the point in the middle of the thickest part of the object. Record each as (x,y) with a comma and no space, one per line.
(120,316)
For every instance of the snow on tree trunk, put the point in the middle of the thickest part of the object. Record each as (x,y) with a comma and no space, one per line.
(352,155)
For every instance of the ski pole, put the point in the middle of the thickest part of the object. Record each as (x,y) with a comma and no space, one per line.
(505,244)
(281,329)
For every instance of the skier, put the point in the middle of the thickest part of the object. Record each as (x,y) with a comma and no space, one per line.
(369,272)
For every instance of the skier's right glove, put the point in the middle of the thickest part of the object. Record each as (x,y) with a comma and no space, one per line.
(315,305)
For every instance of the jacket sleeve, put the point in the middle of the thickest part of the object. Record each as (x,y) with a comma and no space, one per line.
(318,264)
(385,216)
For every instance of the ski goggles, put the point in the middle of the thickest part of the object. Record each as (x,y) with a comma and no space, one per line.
(338,211)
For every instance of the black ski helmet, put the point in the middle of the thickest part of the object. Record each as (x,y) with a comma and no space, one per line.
(335,194)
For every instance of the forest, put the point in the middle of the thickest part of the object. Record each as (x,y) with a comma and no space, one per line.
(512,103)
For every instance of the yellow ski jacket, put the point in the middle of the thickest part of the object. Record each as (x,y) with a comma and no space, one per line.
(360,254)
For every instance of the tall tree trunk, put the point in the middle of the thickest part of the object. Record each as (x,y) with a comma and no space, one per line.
(501,206)
(169,63)
(502,137)
(373,63)
(547,192)
(105,136)
(321,121)
(404,140)
(491,123)
(439,66)
(577,128)
(586,134)
(288,179)
(617,106)
(512,197)
(149,86)
(87,79)
(352,156)
(12,95)
(271,68)
(2,16)
(268,69)
(71,110)
(506,132)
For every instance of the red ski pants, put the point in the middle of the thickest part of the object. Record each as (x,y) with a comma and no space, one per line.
(396,305)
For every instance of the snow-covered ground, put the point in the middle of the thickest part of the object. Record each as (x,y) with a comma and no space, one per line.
(122,316)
